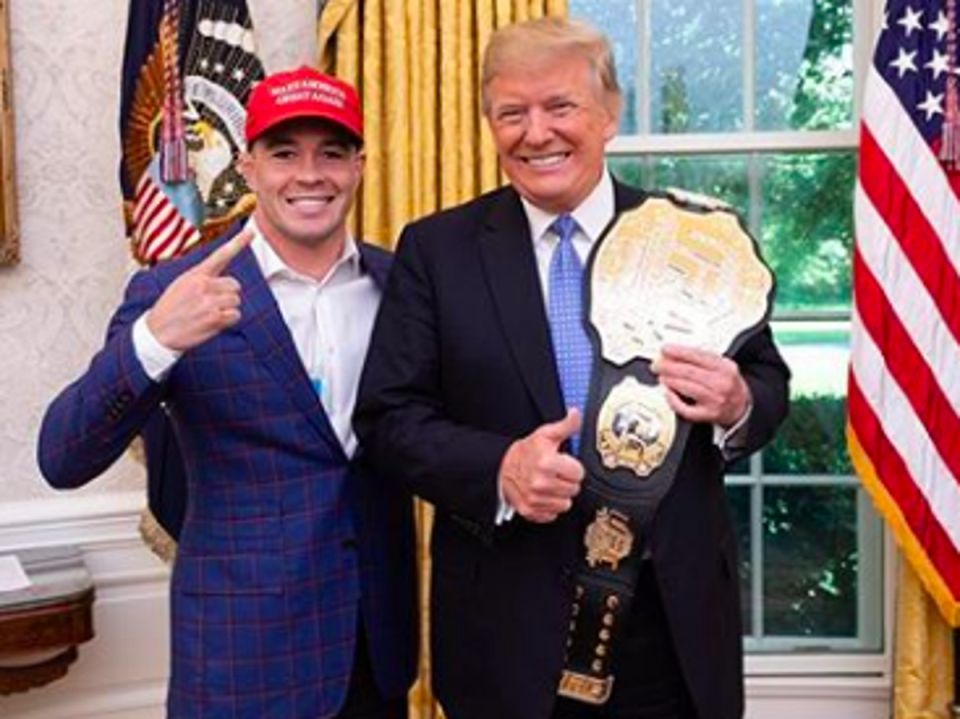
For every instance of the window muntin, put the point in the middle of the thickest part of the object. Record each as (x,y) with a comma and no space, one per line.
(753,101)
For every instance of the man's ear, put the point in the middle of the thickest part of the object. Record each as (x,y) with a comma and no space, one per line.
(244,165)
(613,104)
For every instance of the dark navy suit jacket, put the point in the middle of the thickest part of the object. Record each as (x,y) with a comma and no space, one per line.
(285,544)
(461,365)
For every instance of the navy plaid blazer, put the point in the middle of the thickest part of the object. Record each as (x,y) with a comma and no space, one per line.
(286,544)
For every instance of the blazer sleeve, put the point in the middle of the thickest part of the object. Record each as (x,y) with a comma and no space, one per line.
(92,422)
(400,417)
(768,377)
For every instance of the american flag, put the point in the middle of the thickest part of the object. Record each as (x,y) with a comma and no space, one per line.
(904,385)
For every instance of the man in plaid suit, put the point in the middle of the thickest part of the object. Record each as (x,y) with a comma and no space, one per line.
(293,591)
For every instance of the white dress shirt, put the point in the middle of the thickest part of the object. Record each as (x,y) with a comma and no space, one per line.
(330,321)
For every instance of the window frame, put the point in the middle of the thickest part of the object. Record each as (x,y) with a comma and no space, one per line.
(871,668)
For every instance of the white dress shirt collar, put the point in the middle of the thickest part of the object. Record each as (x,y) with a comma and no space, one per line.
(347,266)
(592,215)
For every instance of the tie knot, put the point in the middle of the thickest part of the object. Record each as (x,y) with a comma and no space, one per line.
(564,227)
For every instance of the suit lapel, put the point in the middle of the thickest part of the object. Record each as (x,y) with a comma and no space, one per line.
(265,330)
(511,270)
(625,197)
(376,262)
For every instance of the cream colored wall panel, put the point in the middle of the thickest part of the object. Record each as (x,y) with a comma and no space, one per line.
(54,306)
(122,672)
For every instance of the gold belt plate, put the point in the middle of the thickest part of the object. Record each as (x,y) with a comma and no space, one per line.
(608,539)
(635,427)
(585,688)
(665,274)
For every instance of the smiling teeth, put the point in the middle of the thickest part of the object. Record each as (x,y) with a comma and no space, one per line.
(546,161)
(311,200)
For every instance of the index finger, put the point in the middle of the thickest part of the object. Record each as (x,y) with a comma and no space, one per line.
(218,260)
(691,355)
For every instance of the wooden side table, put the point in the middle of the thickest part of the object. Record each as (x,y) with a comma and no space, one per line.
(42,625)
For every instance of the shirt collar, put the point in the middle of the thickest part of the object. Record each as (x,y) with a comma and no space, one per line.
(272,265)
(592,215)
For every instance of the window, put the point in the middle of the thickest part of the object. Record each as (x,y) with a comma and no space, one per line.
(754,102)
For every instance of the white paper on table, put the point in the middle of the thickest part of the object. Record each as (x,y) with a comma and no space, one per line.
(12,576)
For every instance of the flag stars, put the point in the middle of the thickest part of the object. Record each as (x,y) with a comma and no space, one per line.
(941,26)
(938,64)
(932,105)
(905,62)
(204,64)
(218,68)
(239,74)
(910,20)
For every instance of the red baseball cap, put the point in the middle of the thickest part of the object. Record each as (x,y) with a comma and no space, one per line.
(304,92)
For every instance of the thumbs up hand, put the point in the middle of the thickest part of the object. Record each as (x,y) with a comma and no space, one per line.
(536,478)
(200,303)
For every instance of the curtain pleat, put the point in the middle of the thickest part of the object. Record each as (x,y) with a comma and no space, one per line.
(923,653)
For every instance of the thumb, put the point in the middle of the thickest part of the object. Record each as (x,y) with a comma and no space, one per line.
(562,430)
(218,260)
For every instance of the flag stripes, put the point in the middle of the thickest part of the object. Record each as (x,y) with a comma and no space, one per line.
(904,384)
(160,232)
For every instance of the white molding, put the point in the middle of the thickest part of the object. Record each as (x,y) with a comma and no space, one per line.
(130,701)
(45,517)
(821,697)
(727,143)
(122,673)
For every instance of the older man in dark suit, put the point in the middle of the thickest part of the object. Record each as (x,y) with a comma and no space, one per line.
(465,401)
(293,588)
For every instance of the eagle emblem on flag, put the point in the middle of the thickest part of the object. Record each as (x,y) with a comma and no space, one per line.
(189,68)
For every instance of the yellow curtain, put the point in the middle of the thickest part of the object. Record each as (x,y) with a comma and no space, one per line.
(417,66)
(923,658)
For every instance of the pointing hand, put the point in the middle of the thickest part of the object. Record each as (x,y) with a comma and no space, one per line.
(200,303)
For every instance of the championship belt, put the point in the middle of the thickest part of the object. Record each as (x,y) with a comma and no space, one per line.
(676,269)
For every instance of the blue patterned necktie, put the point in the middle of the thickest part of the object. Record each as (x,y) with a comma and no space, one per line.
(570,342)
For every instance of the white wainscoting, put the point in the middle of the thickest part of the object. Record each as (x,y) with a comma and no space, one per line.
(122,672)
(818,697)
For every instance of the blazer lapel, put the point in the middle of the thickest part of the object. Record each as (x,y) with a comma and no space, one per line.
(510,265)
(376,262)
(625,196)
(265,330)
(511,269)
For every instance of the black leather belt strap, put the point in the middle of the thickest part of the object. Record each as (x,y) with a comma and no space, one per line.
(697,260)
(617,509)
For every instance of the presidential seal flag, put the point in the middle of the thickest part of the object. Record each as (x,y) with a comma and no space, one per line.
(904,387)
(188,68)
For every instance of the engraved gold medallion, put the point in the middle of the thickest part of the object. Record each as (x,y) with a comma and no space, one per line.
(635,427)
(608,539)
